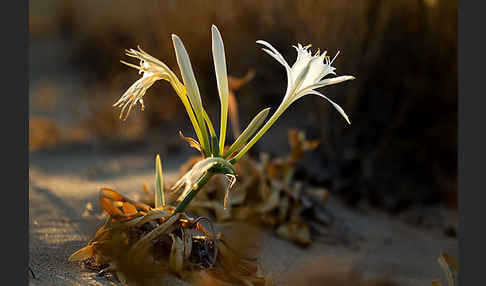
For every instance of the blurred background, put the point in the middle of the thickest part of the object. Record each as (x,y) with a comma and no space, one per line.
(399,153)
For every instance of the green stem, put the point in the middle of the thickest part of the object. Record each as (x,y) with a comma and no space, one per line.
(181,207)
(260,133)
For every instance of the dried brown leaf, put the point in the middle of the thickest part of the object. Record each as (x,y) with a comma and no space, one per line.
(165,227)
(449,265)
(176,259)
(128,208)
(108,206)
(82,254)
(236,269)
(297,232)
(111,194)
(269,280)
(271,202)
(298,145)
(234,83)
(234,115)
(450,261)
(283,208)
(187,240)
(192,142)
(203,278)
(110,201)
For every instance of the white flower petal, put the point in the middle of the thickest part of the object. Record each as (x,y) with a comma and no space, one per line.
(277,56)
(303,59)
(316,69)
(150,64)
(298,82)
(329,81)
(339,109)
(134,94)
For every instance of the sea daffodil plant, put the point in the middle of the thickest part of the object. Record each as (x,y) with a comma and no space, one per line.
(305,76)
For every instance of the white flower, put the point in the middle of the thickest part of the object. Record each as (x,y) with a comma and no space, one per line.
(152,70)
(307,74)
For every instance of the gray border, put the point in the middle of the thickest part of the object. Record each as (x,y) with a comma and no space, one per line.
(14,118)
(471,142)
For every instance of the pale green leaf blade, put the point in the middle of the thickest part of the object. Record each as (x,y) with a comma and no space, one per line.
(256,123)
(159,184)
(191,88)
(212,134)
(219,59)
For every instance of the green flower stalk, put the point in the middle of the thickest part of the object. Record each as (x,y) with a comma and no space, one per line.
(304,77)
(159,184)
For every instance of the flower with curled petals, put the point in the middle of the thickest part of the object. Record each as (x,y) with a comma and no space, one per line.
(152,70)
(306,74)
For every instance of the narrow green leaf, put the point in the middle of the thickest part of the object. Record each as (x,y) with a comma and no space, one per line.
(191,88)
(214,146)
(222,80)
(209,123)
(212,134)
(256,122)
(159,184)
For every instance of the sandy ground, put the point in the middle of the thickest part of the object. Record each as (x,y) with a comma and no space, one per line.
(63,182)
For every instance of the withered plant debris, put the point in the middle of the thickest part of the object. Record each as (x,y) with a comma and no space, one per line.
(268,193)
(450,267)
(139,244)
